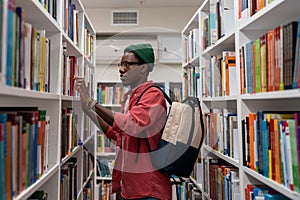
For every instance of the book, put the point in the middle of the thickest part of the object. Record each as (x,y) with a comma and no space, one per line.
(242,70)
(263,62)
(10,43)
(296,72)
(289,54)
(3,121)
(252,118)
(292,130)
(297,132)
(248,62)
(258,71)
(275,197)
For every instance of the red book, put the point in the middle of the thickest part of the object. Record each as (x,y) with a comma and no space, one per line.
(272,146)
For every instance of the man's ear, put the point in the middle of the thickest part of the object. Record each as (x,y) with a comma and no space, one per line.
(144,68)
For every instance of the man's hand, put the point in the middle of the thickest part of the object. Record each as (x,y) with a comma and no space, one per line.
(87,102)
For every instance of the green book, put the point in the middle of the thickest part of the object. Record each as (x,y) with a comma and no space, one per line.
(258,66)
(293,140)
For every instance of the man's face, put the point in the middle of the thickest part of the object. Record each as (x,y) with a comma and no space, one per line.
(130,70)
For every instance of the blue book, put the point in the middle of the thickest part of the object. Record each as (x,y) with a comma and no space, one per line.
(9,48)
(275,197)
(265,145)
(3,120)
(297,59)
(249,67)
(1,34)
(70,16)
(261,191)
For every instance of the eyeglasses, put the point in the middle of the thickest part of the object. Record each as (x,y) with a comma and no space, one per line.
(128,64)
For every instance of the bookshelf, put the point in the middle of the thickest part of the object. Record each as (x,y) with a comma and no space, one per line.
(43,45)
(229,146)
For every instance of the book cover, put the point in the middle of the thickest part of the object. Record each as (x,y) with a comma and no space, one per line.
(248,56)
(258,70)
(10,43)
(252,118)
(3,130)
(9,159)
(278,84)
(283,153)
(296,71)
(278,167)
(253,67)
(297,132)
(265,145)
(263,62)
(292,129)
(242,70)
(290,178)
(275,197)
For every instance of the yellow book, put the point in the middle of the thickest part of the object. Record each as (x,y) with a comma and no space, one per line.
(278,171)
(42,64)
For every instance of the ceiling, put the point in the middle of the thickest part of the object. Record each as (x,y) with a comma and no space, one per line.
(140,3)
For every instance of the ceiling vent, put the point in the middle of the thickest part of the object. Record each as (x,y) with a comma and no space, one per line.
(125,17)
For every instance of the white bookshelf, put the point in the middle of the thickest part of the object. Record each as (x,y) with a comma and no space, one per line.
(53,101)
(246,29)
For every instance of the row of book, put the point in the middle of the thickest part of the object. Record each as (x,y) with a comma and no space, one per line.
(218,23)
(70,25)
(68,182)
(191,45)
(88,191)
(271,62)
(88,165)
(70,20)
(110,93)
(70,70)
(69,134)
(27,52)
(105,167)
(105,144)
(191,81)
(50,6)
(219,75)
(271,146)
(103,191)
(24,133)
(179,188)
(221,181)
(89,44)
(222,132)
(261,192)
(176,92)
(247,8)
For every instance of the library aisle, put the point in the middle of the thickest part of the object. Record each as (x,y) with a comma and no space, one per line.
(240,58)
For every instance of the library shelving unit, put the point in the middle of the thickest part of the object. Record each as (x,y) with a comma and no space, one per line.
(44,44)
(244,72)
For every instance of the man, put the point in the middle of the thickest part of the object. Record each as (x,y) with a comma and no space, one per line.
(133,176)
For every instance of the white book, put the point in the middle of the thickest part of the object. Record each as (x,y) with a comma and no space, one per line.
(255,145)
(289,157)
(233,81)
(174,192)
(27,54)
(282,153)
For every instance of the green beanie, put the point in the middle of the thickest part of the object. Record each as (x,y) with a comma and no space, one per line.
(144,52)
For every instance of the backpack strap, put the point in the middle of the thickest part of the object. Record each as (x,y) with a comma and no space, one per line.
(165,95)
(137,101)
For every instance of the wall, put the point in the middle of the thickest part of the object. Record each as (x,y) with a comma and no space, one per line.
(171,18)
